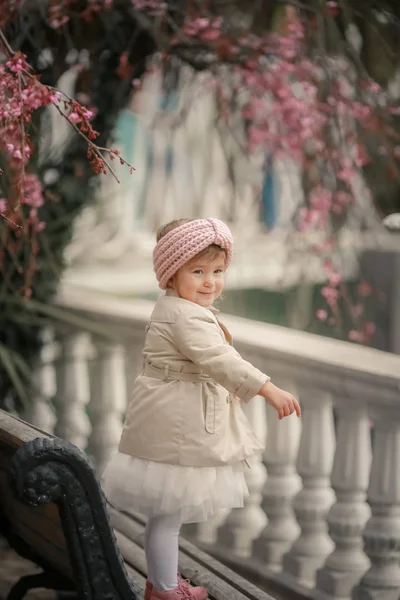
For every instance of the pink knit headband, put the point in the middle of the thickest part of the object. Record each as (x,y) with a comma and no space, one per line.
(183,243)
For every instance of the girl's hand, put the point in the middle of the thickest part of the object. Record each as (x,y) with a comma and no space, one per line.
(284,403)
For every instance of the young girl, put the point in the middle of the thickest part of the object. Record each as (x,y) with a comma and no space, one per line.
(186,441)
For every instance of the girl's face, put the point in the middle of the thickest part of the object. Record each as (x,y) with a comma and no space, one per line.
(200,280)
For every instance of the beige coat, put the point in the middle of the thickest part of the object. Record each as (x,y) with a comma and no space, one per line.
(183,410)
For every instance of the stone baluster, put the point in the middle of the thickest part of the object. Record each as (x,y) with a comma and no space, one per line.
(244,525)
(281,486)
(382,532)
(72,388)
(41,411)
(207,532)
(348,516)
(312,503)
(108,400)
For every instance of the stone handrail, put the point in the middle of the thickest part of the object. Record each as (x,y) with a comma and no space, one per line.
(323,512)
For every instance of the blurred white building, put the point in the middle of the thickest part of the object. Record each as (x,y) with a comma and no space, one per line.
(190,164)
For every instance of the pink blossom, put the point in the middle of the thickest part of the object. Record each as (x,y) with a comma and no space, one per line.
(330,294)
(211,34)
(87,113)
(321,199)
(324,246)
(356,336)
(33,193)
(297,29)
(3,205)
(322,315)
(17,63)
(283,92)
(347,174)
(335,278)
(361,111)
(55,97)
(74,118)
(361,156)
(57,23)
(358,310)
(40,226)
(364,289)
(309,219)
(343,198)
(369,328)
(373,87)
(203,28)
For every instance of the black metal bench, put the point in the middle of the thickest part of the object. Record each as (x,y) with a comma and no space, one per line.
(53,512)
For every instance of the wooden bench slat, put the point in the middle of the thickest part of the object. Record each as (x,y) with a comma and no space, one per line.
(133,553)
(14,432)
(136,578)
(202,569)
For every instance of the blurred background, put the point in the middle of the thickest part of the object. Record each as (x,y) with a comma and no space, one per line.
(188,166)
(322,515)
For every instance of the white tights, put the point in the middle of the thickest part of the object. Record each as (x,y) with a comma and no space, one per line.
(161,545)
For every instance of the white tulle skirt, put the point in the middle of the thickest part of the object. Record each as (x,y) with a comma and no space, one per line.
(152,488)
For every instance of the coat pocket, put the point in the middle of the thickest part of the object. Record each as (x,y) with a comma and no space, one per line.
(209,403)
(215,407)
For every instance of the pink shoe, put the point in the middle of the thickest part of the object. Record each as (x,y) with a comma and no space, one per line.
(147,590)
(183,591)
(198,592)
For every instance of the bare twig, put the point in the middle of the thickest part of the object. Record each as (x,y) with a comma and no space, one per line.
(6,45)
(10,221)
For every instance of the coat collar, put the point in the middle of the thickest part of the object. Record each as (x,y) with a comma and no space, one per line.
(170,292)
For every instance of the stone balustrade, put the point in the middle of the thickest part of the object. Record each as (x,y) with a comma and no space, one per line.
(323,515)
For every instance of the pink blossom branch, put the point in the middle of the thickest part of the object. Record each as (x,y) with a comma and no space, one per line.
(21,94)
(5,43)
(97,150)
(92,146)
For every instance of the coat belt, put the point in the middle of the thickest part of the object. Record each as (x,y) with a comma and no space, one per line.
(167,375)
